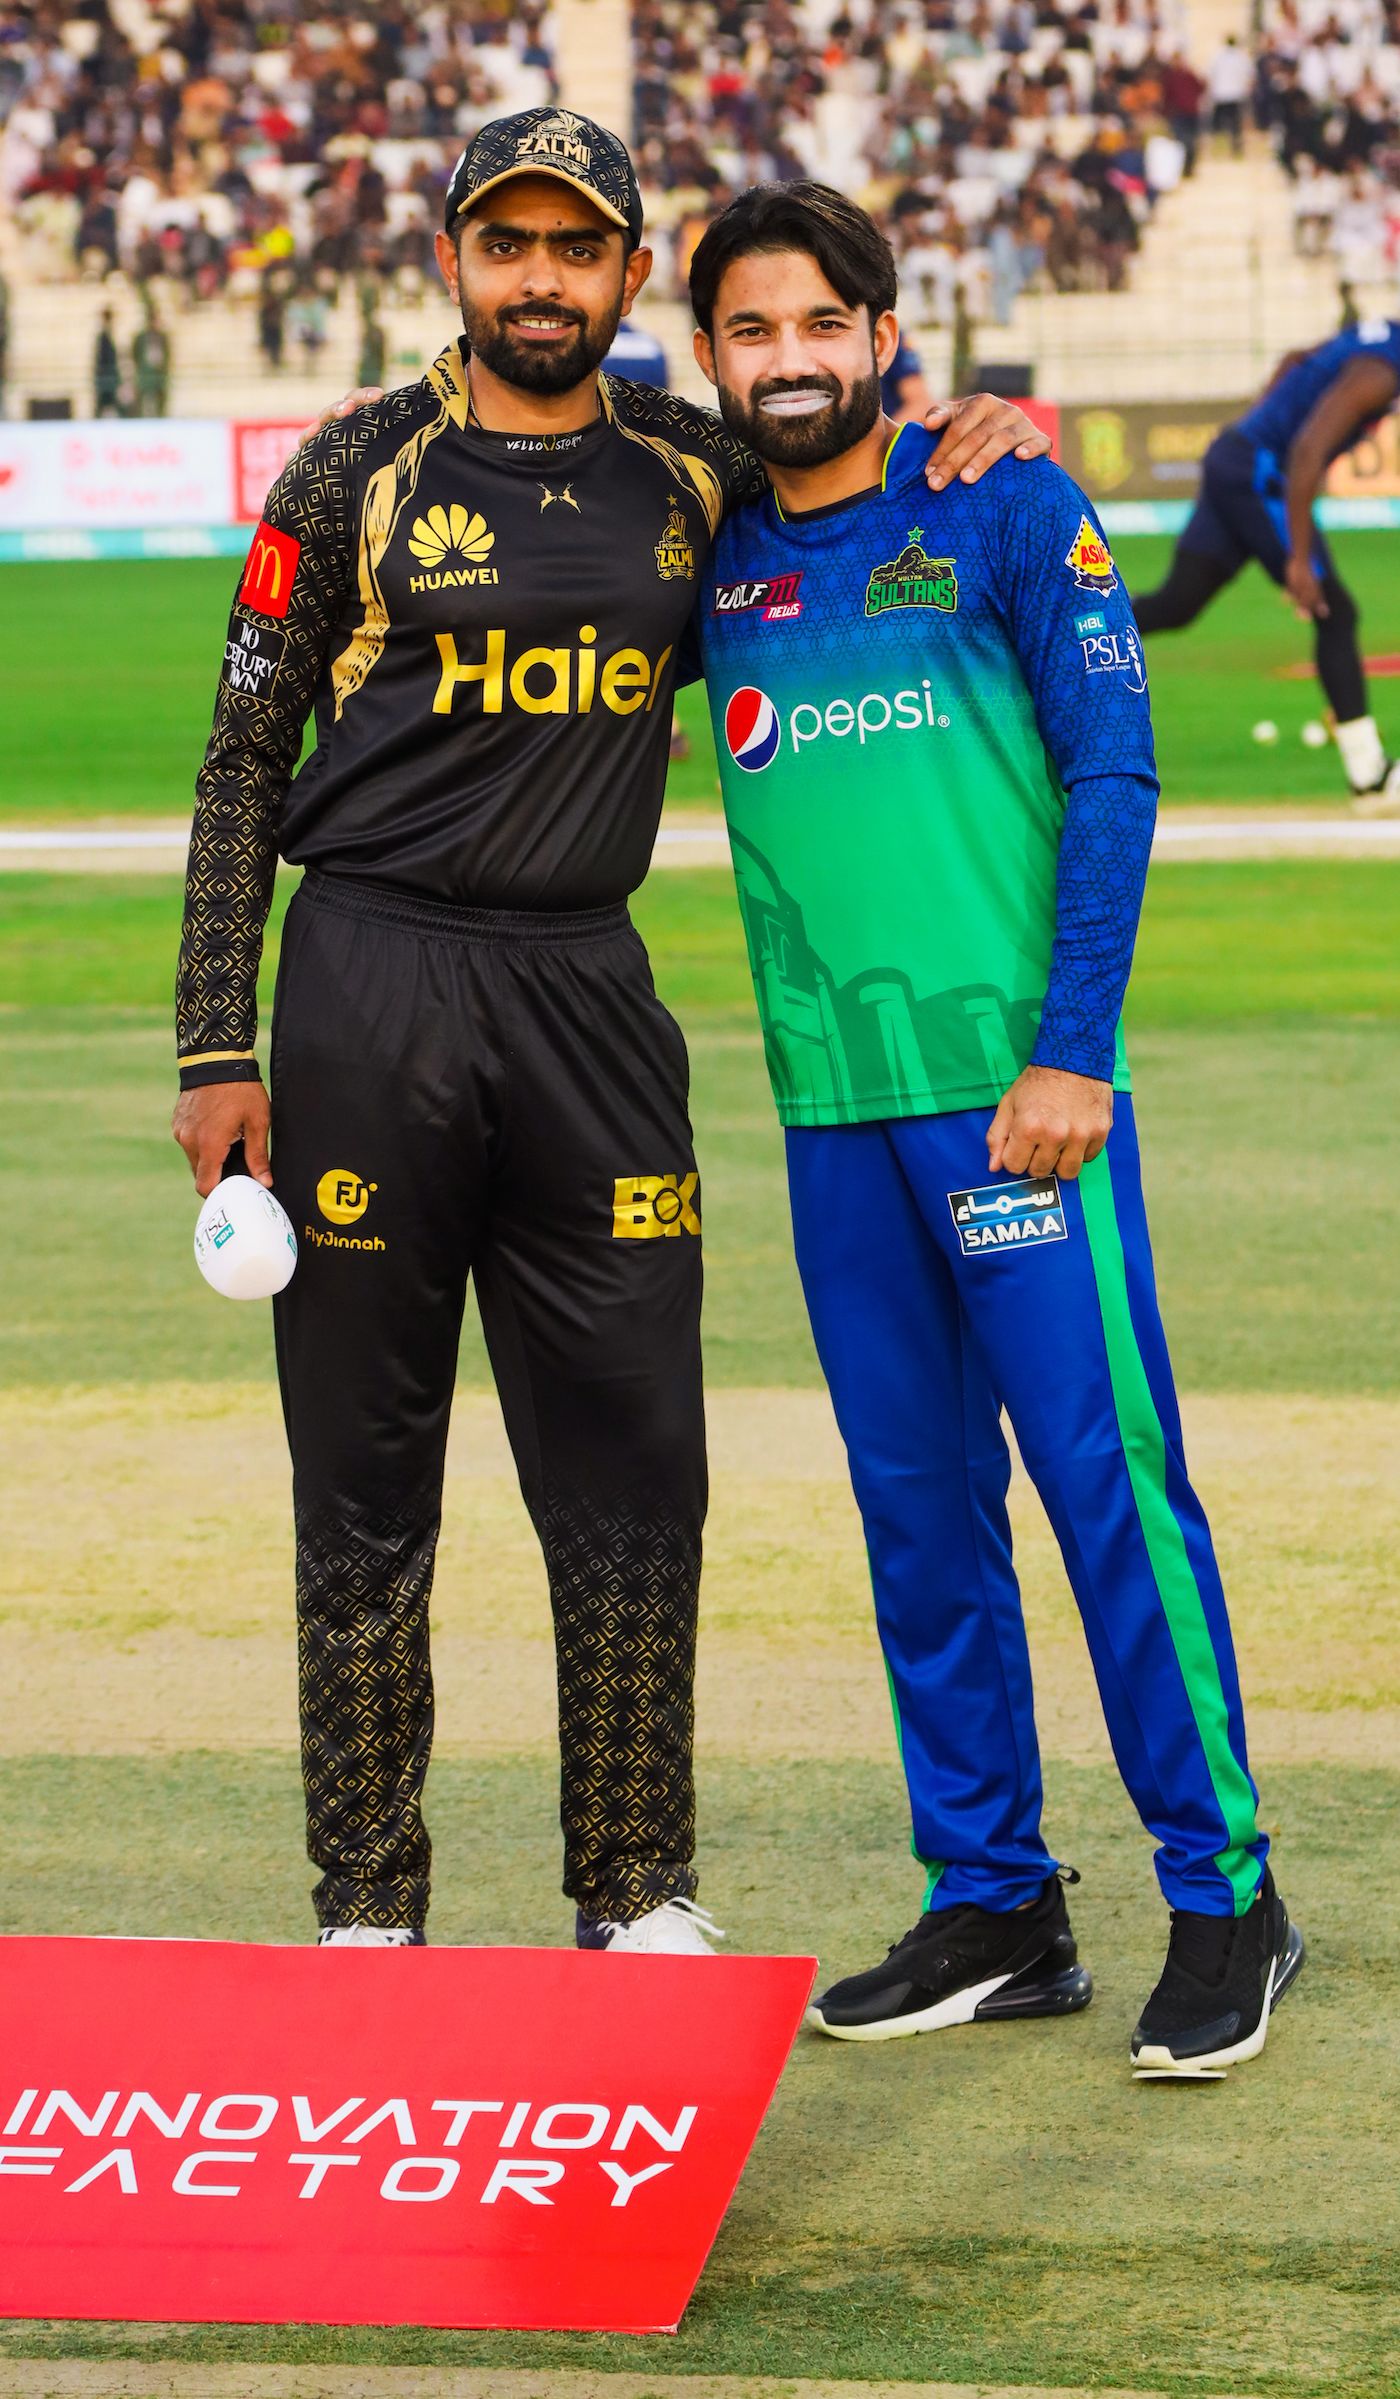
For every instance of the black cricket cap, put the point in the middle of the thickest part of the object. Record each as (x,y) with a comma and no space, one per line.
(549,141)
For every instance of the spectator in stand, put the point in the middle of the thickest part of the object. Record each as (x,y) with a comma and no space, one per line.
(1183,91)
(1230,83)
(150,366)
(106,369)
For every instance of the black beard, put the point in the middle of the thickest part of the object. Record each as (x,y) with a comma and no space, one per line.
(807,440)
(529,368)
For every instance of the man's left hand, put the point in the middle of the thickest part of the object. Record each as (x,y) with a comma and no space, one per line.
(977,432)
(1049,1123)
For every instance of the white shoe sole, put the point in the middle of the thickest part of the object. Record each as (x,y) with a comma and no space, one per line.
(959,2009)
(1155,2064)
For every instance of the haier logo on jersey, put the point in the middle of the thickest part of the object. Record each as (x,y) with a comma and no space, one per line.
(550,682)
(752,728)
(1018,1215)
(775,597)
(1115,654)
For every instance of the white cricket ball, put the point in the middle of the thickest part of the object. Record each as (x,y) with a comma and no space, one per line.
(1266,730)
(1315,734)
(244,1245)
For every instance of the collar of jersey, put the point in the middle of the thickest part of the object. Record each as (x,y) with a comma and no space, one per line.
(447,377)
(890,474)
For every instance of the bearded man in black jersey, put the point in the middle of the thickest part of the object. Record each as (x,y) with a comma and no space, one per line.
(478,584)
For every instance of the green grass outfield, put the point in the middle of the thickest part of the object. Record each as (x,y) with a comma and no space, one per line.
(1262,1020)
(1002,2205)
(108,672)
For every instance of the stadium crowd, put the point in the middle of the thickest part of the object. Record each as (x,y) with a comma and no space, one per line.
(276,143)
(1328,92)
(276,147)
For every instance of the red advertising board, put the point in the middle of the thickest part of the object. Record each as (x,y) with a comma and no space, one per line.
(523,2138)
(259,454)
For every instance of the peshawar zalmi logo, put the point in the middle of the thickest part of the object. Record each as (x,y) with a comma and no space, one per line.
(653,1207)
(913,580)
(675,552)
(558,138)
(457,543)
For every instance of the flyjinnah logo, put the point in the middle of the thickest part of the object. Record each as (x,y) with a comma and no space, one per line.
(913,580)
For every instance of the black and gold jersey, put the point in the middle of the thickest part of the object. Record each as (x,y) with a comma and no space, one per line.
(486,628)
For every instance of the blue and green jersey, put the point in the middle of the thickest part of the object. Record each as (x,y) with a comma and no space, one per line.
(936,756)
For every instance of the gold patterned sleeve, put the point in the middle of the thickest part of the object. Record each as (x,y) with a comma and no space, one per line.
(299,572)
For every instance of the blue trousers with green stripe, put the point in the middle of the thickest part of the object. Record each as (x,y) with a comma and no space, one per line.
(940,1297)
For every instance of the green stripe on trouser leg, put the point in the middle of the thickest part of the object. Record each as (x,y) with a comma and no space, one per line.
(1144,1450)
(933,1867)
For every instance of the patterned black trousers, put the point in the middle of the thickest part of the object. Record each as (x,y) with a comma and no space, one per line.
(461,1092)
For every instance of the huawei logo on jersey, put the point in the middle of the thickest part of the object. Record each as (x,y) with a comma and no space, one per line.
(447,534)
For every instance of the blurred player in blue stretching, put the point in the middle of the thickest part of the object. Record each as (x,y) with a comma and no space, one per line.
(936,752)
(1259,481)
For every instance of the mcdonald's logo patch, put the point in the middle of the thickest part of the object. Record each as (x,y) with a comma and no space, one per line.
(270,572)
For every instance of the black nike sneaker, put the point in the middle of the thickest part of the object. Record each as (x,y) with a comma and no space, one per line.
(1223,1977)
(964,1965)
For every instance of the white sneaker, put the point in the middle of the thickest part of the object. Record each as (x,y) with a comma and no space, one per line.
(676,1929)
(1384,800)
(367,1936)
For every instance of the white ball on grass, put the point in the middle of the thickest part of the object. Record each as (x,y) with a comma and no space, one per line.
(1315,734)
(244,1245)
(1266,730)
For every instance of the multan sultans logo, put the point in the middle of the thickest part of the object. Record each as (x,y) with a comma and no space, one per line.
(1090,561)
(1018,1215)
(913,580)
(342,1197)
(675,552)
(775,597)
(455,543)
(652,1207)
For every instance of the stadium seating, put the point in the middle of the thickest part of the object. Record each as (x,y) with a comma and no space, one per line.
(267,179)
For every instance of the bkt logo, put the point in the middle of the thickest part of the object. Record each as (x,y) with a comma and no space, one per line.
(754,729)
(655,1207)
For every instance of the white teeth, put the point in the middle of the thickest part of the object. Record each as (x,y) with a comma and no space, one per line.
(794,403)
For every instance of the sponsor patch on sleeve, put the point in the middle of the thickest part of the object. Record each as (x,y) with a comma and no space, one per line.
(1117,653)
(1090,561)
(1019,1215)
(270,572)
(252,656)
